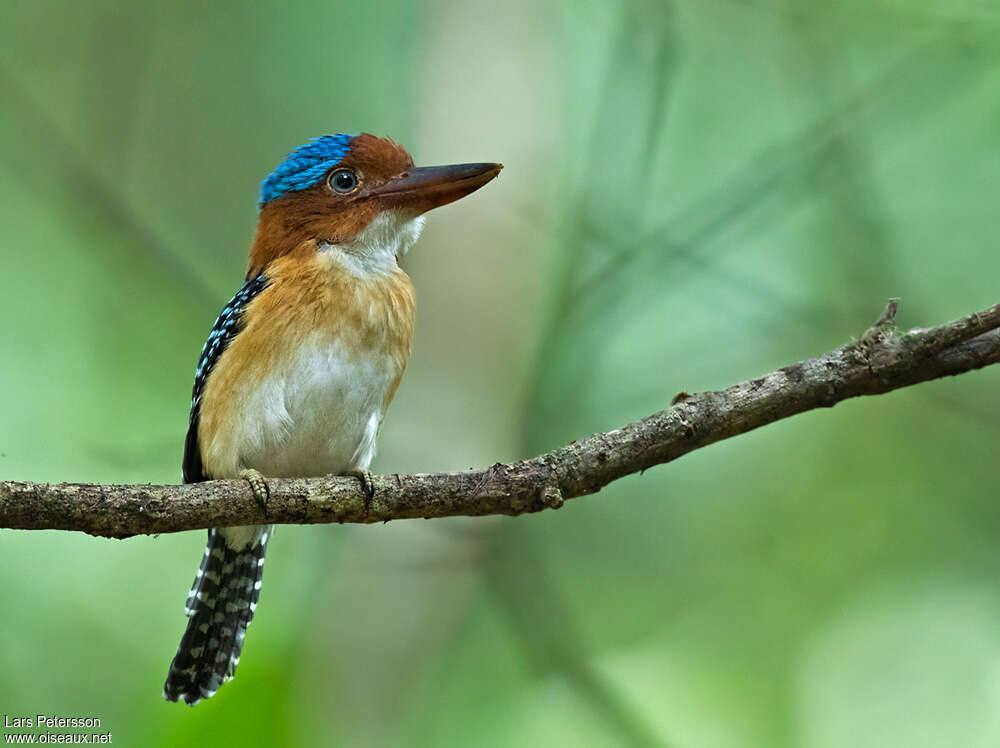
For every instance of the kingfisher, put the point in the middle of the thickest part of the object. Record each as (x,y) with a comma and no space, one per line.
(302,363)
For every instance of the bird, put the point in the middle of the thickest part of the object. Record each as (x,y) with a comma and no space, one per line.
(302,363)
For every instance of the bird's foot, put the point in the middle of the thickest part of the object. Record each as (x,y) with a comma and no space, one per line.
(367,485)
(258,485)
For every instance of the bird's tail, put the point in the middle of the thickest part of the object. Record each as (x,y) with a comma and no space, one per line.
(220,606)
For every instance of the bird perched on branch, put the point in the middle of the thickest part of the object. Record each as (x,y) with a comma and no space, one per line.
(301,364)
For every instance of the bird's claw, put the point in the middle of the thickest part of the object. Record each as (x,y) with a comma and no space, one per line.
(367,485)
(259,487)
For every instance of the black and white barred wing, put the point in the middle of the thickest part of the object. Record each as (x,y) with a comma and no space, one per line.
(226,327)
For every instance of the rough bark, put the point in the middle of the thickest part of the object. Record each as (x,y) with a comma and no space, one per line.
(882,360)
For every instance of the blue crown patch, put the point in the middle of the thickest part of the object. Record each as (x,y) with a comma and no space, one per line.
(304,166)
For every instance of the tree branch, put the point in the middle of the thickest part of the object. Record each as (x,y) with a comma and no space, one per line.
(882,360)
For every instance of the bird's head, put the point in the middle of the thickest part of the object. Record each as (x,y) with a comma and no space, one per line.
(357,197)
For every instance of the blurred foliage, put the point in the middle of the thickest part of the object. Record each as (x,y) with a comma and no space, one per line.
(695,193)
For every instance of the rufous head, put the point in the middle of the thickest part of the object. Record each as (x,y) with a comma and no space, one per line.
(353,194)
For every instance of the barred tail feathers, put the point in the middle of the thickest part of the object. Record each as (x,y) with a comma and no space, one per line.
(220,606)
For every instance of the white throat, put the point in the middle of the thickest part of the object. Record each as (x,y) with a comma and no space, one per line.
(379,246)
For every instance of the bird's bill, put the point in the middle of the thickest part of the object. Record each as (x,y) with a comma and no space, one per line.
(426,187)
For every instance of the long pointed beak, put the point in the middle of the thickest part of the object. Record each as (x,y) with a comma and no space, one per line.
(426,187)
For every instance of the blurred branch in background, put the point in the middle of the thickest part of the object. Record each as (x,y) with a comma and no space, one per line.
(789,165)
(519,578)
(94,188)
(882,360)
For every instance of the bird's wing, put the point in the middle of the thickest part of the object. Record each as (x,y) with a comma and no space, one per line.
(226,327)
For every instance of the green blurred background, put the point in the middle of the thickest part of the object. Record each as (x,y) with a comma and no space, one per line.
(695,192)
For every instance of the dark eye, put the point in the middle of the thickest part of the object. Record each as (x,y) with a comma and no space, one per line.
(343,181)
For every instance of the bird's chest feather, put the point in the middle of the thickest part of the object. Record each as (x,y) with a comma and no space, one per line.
(303,389)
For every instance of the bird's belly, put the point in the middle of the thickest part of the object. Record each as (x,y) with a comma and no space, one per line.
(318,413)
